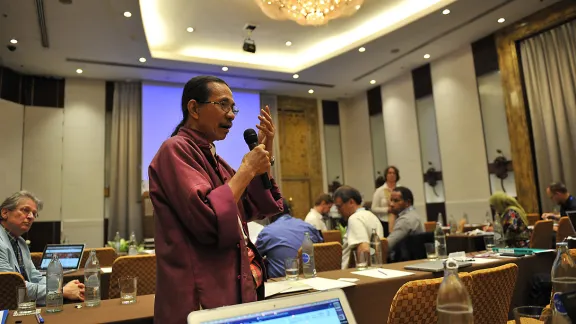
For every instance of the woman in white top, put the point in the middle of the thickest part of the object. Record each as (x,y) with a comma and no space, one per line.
(381,198)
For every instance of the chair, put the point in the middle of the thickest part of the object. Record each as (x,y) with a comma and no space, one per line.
(141,266)
(106,256)
(36,258)
(411,247)
(492,293)
(384,241)
(327,256)
(533,218)
(9,281)
(332,236)
(565,229)
(542,235)
(415,301)
(430,226)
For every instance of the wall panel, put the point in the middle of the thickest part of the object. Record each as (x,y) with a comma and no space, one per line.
(11,130)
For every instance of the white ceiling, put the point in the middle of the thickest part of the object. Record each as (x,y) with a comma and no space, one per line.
(94,35)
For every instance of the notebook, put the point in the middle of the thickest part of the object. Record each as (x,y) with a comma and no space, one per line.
(68,254)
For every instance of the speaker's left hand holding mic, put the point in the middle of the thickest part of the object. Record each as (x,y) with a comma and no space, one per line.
(266,129)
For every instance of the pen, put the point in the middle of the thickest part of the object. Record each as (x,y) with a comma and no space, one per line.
(39,318)
(382,272)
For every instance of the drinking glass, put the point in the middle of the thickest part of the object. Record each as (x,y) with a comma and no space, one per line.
(291,268)
(128,290)
(431,251)
(362,259)
(489,242)
(26,305)
(528,314)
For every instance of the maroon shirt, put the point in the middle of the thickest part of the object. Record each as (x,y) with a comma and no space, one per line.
(200,252)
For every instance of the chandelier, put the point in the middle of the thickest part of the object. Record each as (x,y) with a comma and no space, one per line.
(309,12)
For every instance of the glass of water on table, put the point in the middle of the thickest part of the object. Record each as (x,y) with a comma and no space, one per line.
(489,242)
(431,254)
(291,268)
(128,290)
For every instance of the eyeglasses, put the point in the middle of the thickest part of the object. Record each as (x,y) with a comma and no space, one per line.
(225,105)
(27,211)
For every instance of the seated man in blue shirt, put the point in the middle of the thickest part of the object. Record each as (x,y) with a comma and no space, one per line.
(282,239)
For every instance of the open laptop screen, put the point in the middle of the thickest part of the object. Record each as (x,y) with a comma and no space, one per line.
(68,254)
(322,312)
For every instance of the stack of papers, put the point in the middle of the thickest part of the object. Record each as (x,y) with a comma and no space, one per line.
(285,287)
(382,273)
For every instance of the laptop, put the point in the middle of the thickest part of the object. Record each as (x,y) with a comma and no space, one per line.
(68,254)
(435,266)
(326,307)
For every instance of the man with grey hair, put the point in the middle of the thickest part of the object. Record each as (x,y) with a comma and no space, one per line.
(18,213)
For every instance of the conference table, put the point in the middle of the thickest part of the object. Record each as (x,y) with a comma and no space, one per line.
(370,298)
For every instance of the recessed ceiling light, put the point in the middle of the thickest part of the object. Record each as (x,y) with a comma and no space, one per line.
(295,76)
(426,56)
(14,41)
(358,7)
(189,29)
(127,14)
(362,50)
(501,20)
(372,81)
(288,43)
(79,71)
(311,91)
(446,11)
(224,68)
(142,59)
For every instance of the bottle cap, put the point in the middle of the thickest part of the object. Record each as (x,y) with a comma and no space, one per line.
(561,244)
(450,264)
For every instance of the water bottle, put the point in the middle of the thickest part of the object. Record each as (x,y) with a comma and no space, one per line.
(133,247)
(498,232)
(375,249)
(439,219)
(54,279)
(453,304)
(488,218)
(453,225)
(92,280)
(563,281)
(308,257)
(465,217)
(440,242)
(117,242)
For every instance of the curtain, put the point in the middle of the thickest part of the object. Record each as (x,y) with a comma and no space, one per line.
(125,176)
(549,66)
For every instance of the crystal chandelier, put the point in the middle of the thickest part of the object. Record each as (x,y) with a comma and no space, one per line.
(309,12)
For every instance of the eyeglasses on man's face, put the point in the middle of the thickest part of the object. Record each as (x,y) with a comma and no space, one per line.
(27,211)
(226,106)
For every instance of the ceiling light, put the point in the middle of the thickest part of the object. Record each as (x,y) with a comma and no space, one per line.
(309,12)
(127,14)
(446,11)
(501,20)
(358,7)
(362,50)
(426,56)
(288,43)
(142,60)
(311,91)
(14,41)
(79,71)
(295,76)
(372,81)
(189,29)
(224,68)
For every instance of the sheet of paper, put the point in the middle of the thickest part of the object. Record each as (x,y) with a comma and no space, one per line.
(349,279)
(326,284)
(274,288)
(382,273)
(106,269)
(483,260)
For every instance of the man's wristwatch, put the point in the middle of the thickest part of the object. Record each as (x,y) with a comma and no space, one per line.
(272,160)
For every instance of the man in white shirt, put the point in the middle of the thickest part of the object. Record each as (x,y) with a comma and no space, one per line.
(321,207)
(360,222)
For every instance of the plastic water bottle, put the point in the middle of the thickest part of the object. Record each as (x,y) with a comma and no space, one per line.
(440,219)
(92,280)
(453,304)
(488,218)
(465,217)
(563,281)
(117,242)
(453,225)
(308,257)
(375,249)
(133,248)
(440,242)
(498,232)
(54,279)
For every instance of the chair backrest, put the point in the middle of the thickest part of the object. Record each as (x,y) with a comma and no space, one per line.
(492,293)
(415,301)
(430,226)
(332,236)
(105,255)
(384,241)
(36,258)
(412,247)
(542,235)
(9,281)
(141,266)
(328,256)
(565,229)
(533,218)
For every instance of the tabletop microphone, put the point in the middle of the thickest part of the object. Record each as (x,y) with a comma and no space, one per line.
(251,138)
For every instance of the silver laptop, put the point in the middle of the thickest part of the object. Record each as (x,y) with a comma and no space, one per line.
(326,307)
(68,254)
(434,266)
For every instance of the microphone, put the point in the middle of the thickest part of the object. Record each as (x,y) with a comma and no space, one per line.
(251,138)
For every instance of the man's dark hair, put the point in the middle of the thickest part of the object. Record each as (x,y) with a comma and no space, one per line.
(558,187)
(406,194)
(323,198)
(195,89)
(395,171)
(346,193)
